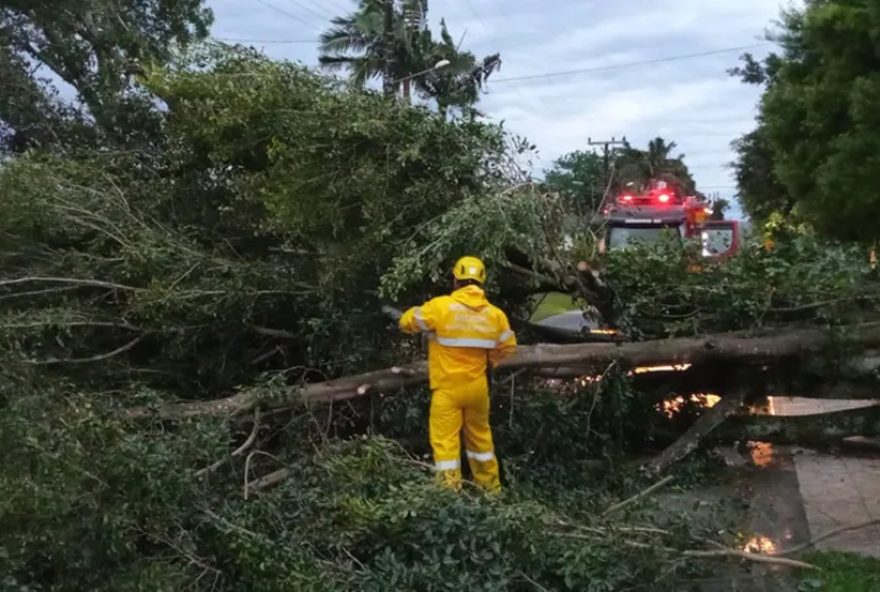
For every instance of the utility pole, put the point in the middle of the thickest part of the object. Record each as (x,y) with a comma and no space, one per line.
(606,151)
(606,162)
(388,70)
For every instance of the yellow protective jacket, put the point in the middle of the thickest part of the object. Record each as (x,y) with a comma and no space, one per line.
(466,333)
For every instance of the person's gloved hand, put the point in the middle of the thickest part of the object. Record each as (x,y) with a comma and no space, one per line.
(391,312)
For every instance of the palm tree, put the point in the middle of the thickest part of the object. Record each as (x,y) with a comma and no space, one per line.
(356,42)
(643,166)
(461,82)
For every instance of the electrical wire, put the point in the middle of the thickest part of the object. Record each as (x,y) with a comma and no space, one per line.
(311,9)
(267,41)
(491,36)
(287,14)
(629,64)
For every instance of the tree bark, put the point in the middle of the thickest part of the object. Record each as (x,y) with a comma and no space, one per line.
(691,439)
(591,358)
(821,429)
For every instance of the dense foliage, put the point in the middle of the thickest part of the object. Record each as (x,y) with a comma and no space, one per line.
(259,235)
(579,177)
(802,279)
(226,222)
(249,244)
(96,48)
(817,138)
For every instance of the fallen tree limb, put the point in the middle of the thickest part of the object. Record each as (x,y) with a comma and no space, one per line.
(828,535)
(721,553)
(804,430)
(756,557)
(90,360)
(638,496)
(237,452)
(590,357)
(691,439)
(269,480)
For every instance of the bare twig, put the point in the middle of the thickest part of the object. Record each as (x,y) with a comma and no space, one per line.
(32,293)
(238,451)
(98,358)
(828,535)
(70,281)
(815,305)
(36,325)
(269,480)
(537,586)
(717,553)
(260,483)
(277,333)
(639,495)
(756,557)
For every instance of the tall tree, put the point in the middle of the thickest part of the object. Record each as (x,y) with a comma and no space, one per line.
(355,43)
(760,191)
(460,83)
(819,133)
(719,208)
(577,177)
(640,167)
(94,46)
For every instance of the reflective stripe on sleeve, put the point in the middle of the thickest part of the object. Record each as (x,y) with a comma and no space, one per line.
(505,336)
(420,319)
(466,342)
(481,456)
(447,465)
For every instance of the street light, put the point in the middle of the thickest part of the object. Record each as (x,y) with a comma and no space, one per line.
(438,66)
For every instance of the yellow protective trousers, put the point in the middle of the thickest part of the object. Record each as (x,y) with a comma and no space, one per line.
(464,407)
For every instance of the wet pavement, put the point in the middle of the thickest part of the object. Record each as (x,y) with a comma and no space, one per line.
(793,495)
(572,320)
(841,491)
(772,518)
(837,489)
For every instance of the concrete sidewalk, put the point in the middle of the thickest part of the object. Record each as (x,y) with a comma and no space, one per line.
(837,489)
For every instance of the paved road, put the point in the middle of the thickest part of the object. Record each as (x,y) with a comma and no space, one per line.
(572,320)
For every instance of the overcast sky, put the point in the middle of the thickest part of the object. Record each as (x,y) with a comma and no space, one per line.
(691,101)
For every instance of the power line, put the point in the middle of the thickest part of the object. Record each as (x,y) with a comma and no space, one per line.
(629,64)
(311,9)
(287,14)
(491,36)
(341,6)
(268,41)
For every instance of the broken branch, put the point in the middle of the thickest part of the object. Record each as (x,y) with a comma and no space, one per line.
(662,483)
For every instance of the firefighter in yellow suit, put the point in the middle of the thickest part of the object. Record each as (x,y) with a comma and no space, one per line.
(466,335)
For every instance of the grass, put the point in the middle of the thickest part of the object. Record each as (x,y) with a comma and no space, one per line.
(550,304)
(841,572)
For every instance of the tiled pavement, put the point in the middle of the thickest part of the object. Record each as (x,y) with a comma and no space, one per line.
(837,490)
(841,491)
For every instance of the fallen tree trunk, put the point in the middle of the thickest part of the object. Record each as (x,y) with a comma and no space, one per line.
(821,429)
(780,380)
(732,349)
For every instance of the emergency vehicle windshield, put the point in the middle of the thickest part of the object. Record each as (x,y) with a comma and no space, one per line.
(624,237)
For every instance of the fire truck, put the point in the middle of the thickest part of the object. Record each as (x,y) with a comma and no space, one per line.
(661,212)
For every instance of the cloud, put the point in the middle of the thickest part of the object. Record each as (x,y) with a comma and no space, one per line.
(692,102)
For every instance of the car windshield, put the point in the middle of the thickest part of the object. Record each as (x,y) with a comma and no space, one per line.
(623,237)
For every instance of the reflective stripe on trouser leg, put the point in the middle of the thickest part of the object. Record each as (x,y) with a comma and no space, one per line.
(444,427)
(478,443)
